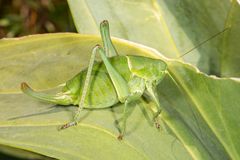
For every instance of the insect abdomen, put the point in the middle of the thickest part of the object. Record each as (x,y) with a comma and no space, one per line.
(101,93)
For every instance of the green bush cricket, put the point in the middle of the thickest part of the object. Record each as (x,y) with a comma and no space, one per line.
(126,79)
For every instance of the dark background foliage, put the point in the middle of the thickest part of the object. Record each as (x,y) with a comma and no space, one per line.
(25,17)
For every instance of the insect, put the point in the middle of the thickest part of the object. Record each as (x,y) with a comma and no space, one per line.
(126,79)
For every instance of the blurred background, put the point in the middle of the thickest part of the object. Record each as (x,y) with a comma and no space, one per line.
(25,17)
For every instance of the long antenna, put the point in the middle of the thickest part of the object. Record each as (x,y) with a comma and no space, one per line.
(201,43)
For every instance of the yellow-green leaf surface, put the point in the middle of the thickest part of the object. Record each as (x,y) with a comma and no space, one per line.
(45,61)
(201,111)
(171,27)
(230,56)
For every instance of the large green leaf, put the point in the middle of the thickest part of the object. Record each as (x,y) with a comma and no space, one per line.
(200,110)
(171,27)
(45,61)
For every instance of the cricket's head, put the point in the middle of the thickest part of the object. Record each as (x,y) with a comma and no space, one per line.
(62,98)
